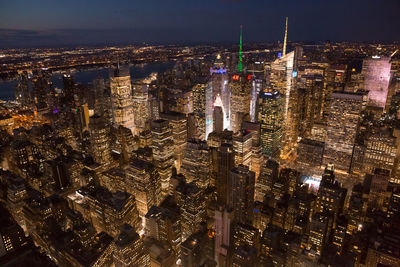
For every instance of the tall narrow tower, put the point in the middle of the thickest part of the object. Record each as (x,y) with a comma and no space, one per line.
(285,39)
(240,65)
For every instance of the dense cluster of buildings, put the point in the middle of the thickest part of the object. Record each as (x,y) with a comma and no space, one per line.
(234,159)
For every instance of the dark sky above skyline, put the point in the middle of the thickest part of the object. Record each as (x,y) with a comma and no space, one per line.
(77,22)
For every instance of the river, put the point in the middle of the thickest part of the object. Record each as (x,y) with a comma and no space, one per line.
(87,76)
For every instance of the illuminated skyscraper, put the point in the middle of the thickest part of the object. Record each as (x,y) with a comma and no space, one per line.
(331,195)
(241,189)
(163,151)
(258,83)
(190,199)
(141,107)
(320,229)
(100,140)
(22,92)
(343,123)
(129,249)
(242,145)
(199,108)
(281,80)
(121,98)
(178,124)
(271,117)
(196,163)
(220,90)
(144,183)
(240,100)
(268,175)
(376,72)
(164,223)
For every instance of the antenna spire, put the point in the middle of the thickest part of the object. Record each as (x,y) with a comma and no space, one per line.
(240,65)
(285,39)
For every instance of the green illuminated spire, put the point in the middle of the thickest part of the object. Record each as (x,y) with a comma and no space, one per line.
(240,65)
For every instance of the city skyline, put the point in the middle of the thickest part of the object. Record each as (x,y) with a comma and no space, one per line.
(249,154)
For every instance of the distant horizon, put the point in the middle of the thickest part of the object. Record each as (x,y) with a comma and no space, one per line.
(193,43)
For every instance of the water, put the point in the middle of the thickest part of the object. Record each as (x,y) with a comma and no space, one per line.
(87,76)
(7,89)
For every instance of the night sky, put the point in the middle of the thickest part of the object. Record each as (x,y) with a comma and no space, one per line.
(104,22)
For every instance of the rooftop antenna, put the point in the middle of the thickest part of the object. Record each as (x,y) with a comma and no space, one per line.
(240,65)
(394,53)
(285,39)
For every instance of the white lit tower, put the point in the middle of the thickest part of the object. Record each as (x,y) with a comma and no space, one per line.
(220,89)
(121,98)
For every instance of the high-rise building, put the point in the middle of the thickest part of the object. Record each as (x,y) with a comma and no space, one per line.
(242,145)
(376,73)
(320,229)
(163,151)
(145,183)
(191,200)
(240,100)
(121,98)
(220,90)
(100,140)
(342,128)
(163,223)
(225,163)
(218,119)
(241,190)
(22,90)
(271,118)
(197,249)
(376,185)
(178,123)
(199,108)
(129,249)
(196,163)
(331,195)
(107,211)
(223,222)
(245,235)
(281,80)
(125,142)
(12,237)
(141,107)
(266,180)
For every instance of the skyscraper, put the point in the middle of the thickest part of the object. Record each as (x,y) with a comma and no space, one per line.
(129,249)
(163,151)
(270,116)
(343,124)
(240,100)
(220,90)
(121,98)
(178,124)
(218,119)
(376,73)
(100,140)
(242,193)
(199,108)
(144,183)
(196,163)
(225,162)
(141,107)
(242,145)
(281,80)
